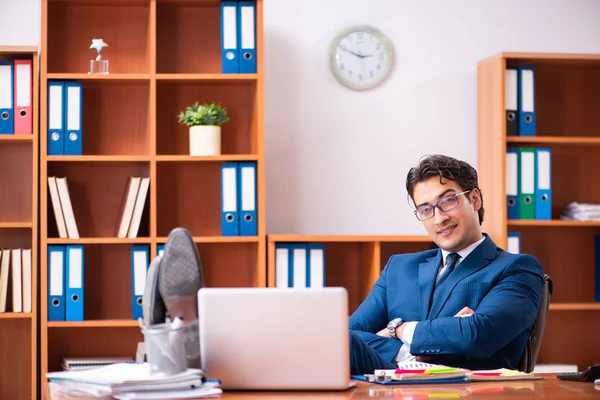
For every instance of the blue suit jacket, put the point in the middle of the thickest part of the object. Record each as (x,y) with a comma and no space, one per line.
(504,289)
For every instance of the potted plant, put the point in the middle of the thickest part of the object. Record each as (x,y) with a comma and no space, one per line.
(205,121)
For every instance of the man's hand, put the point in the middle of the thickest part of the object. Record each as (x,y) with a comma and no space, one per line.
(384,332)
(465,312)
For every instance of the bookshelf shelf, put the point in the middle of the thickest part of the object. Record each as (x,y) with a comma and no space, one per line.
(18,238)
(109,323)
(99,159)
(199,205)
(574,306)
(179,52)
(197,78)
(196,3)
(19,230)
(222,158)
(114,78)
(16,175)
(96,191)
(101,2)
(16,138)
(90,341)
(553,223)
(15,225)
(233,264)
(349,238)
(123,26)
(218,239)
(567,91)
(99,240)
(239,136)
(13,315)
(164,56)
(572,140)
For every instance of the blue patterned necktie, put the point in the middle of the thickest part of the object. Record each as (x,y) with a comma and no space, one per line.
(451,260)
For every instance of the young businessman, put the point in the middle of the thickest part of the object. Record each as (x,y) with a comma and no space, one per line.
(468,304)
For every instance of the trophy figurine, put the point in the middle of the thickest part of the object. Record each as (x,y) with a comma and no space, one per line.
(98,66)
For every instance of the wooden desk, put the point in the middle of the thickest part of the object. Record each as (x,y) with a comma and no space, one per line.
(548,388)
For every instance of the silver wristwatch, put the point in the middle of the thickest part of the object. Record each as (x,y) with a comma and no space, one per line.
(392,325)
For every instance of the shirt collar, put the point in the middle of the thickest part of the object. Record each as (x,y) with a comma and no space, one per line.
(463,253)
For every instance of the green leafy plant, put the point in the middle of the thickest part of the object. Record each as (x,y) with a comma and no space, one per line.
(204,114)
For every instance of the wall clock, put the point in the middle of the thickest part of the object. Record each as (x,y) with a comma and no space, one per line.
(361,57)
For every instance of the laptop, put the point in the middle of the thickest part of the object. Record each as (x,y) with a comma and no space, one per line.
(275,338)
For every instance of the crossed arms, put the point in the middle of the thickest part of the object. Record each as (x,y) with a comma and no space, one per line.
(508,309)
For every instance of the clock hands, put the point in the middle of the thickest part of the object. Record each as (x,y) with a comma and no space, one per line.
(356,54)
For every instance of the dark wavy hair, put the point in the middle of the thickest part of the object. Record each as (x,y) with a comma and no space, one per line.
(444,167)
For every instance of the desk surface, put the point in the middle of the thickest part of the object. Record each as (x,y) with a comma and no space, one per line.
(548,388)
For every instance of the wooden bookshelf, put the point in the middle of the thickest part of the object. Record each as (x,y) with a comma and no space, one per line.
(19,229)
(567,95)
(163,56)
(351,261)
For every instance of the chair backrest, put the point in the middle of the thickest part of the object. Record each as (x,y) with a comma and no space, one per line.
(534,342)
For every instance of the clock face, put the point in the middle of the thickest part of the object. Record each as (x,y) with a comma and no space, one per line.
(361,58)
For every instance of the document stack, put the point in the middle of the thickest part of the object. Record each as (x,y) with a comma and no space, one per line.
(132,381)
(581,212)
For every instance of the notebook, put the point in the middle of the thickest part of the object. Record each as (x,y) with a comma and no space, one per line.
(275,338)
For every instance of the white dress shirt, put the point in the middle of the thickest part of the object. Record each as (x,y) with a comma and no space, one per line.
(409,329)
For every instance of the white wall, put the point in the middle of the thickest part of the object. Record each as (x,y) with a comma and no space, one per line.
(337,159)
(20,23)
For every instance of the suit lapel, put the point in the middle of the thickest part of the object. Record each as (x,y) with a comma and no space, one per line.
(477,259)
(427,273)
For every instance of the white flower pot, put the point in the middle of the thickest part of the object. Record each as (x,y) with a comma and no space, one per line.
(205,140)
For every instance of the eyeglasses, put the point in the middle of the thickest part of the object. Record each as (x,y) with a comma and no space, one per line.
(427,211)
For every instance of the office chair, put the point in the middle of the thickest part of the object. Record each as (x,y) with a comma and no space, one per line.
(534,342)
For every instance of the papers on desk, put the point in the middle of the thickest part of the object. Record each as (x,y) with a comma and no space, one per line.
(133,381)
(501,374)
(415,372)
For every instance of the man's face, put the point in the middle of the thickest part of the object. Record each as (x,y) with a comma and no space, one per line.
(455,229)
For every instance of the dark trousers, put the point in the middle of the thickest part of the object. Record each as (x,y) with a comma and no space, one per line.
(364,358)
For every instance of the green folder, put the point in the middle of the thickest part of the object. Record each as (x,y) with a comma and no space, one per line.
(527,178)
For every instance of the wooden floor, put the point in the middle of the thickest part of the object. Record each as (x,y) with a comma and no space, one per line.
(547,388)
